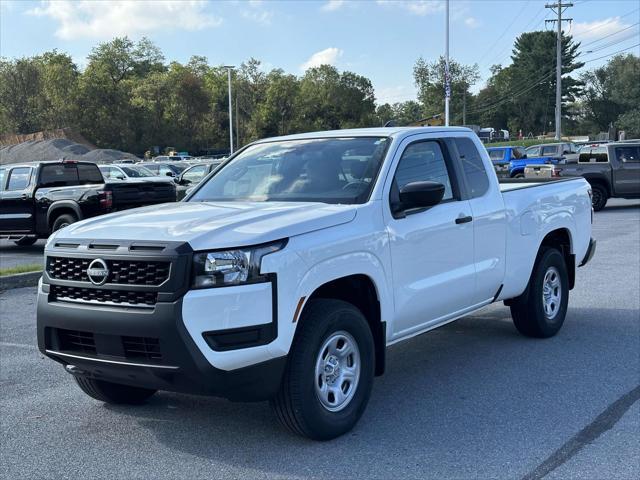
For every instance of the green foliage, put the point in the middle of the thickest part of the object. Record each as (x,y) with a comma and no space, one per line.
(32,267)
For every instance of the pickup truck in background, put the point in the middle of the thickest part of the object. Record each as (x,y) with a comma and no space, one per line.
(41,197)
(510,162)
(286,274)
(612,170)
(565,152)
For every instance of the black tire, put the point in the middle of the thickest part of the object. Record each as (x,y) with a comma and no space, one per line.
(297,405)
(113,392)
(599,197)
(519,175)
(62,221)
(528,310)
(25,241)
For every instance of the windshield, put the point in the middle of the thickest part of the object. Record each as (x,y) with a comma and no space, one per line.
(137,172)
(327,170)
(496,155)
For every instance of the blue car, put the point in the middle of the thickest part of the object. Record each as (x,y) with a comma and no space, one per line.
(509,162)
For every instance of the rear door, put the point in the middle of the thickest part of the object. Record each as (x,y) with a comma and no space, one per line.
(431,249)
(17,213)
(489,220)
(626,172)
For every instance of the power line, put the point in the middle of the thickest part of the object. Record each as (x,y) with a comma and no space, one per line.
(604,24)
(504,32)
(612,54)
(609,44)
(610,35)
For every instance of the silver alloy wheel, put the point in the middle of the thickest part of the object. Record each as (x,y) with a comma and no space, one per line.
(337,371)
(551,293)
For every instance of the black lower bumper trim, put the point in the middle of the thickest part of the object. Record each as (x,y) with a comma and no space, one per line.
(181,367)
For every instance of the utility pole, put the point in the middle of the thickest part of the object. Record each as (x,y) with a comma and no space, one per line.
(447,85)
(558,8)
(229,68)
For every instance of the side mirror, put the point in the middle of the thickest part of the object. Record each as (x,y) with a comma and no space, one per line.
(170,174)
(524,156)
(120,177)
(421,194)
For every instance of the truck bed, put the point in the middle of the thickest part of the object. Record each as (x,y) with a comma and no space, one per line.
(510,184)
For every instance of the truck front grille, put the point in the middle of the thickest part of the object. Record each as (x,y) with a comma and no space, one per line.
(121,272)
(103,295)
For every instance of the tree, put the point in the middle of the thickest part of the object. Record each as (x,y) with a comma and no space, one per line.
(430,80)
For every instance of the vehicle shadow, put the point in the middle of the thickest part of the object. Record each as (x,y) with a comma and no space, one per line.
(10,246)
(451,400)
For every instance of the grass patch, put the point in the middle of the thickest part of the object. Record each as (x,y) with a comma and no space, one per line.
(33,267)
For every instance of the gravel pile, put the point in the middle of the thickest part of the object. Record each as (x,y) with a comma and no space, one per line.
(56,149)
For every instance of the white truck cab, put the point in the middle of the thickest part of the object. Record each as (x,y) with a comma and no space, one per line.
(287,272)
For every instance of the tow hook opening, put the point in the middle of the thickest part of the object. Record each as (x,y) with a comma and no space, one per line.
(73,370)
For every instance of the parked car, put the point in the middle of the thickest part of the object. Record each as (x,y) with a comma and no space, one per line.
(39,198)
(612,170)
(565,152)
(135,173)
(287,274)
(510,162)
(194,175)
(169,169)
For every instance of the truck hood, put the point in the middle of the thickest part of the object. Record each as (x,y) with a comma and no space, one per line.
(211,225)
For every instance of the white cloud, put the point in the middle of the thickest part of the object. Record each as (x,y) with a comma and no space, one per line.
(332,5)
(471,22)
(597,28)
(395,94)
(263,16)
(328,56)
(107,19)
(417,7)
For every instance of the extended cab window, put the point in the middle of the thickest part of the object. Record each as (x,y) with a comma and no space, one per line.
(423,161)
(19,178)
(551,150)
(89,174)
(628,154)
(473,167)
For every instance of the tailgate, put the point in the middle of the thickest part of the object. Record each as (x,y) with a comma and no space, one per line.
(137,194)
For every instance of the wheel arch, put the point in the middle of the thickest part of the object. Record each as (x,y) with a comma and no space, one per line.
(361,291)
(561,239)
(62,207)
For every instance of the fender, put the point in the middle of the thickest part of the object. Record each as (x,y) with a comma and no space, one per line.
(70,204)
(595,177)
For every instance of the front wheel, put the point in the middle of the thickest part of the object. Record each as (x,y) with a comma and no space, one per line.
(116,393)
(329,374)
(540,311)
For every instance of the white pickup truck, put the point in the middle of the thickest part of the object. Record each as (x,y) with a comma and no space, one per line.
(286,273)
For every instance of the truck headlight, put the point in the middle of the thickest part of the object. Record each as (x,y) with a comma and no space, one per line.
(223,268)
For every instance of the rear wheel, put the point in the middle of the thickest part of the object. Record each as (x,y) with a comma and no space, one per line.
(113,392)
(329,375)
(519,175)
(540,311)
(25,241)
(599,197)
(62,221)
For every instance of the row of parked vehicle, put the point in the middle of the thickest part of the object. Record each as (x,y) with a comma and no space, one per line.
(39,198)
(612,169)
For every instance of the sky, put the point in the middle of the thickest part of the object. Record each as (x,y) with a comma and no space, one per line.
(380,39)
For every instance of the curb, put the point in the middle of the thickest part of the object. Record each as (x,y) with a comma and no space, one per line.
(19,280)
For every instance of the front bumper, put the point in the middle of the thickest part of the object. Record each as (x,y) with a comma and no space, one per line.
(180,366)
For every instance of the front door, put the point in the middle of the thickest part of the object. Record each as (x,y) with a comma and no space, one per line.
(431,249)
(16,214)
(626,176)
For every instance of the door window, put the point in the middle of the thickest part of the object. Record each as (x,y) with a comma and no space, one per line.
(628,154)
(473,167)
(194,174)
(532,151)
(423,161)
(19,178)
(549,150)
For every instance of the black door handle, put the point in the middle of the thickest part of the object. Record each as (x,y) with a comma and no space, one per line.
(466,219)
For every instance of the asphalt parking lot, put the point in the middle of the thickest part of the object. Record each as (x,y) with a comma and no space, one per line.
(12,255)
(473,399)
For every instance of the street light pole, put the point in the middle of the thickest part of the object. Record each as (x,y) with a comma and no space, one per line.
(447,86)
(229,68)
